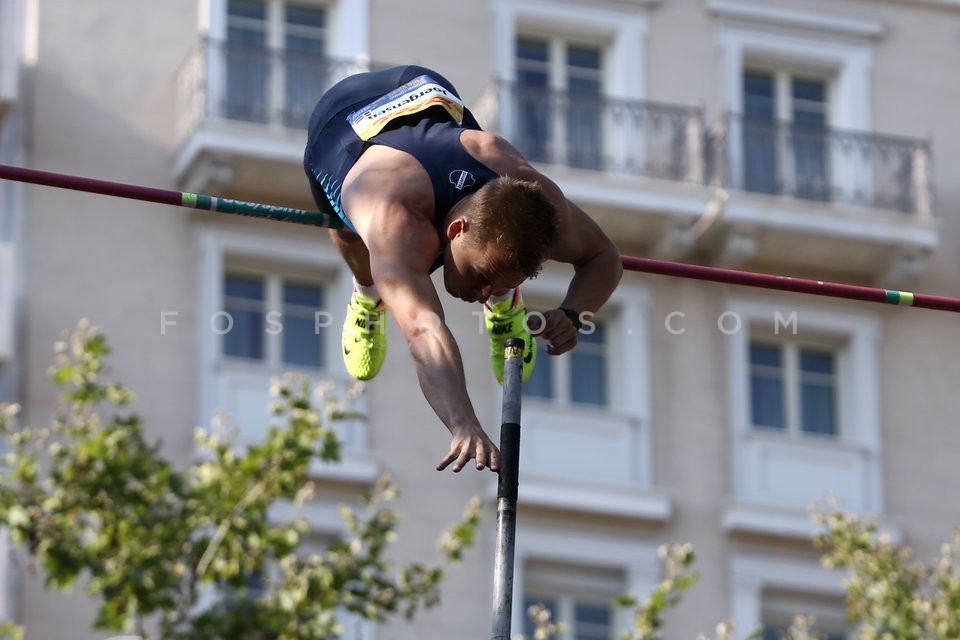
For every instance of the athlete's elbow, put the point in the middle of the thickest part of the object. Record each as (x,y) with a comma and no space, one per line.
(607,261)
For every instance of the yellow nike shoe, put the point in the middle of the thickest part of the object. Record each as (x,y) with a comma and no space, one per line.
(506,319)
(364,337)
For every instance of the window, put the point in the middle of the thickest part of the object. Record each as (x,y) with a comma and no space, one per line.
(825,613)
(797,80)
(578,575)
(305,76)
(9,275)
(261,583)
(246,56)
(584,620)
(269,306)
(559,104)
(785,134)
(579,597)
(579,377)
(274,61)
(273,319)
(778,630)
(803,412)
(580,387)
(771,590)
(793,388)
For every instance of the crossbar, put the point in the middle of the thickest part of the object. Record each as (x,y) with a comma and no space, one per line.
(318,219)
(167,196)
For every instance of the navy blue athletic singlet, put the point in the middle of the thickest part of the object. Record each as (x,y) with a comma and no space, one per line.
(412,109)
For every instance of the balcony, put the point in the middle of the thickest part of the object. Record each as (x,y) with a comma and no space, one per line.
(242,117)
(756,194)
(797,195)
(637,166)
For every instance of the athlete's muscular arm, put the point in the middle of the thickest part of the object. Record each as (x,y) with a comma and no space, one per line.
(409,294)
(402,244)
(597,271)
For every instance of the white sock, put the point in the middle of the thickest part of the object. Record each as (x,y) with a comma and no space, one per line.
(367,291)
(492,300)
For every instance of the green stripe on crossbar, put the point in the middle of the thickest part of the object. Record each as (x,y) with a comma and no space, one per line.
(899,297)
(197,201)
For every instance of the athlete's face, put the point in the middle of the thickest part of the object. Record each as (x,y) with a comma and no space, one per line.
(471,273)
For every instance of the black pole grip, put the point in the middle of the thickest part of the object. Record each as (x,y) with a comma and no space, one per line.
(509,460)
(510,427)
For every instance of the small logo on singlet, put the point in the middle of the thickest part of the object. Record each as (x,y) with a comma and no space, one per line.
(462,179)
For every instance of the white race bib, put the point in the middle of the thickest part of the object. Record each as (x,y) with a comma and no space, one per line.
(420,93)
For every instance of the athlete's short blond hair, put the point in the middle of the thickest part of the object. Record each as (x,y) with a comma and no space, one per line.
(516,221)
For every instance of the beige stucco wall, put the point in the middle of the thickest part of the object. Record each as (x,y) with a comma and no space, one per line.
(102,105)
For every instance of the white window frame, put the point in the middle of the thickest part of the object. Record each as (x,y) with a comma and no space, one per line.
(562,374)
(752,574)
(790,349)
(621,433)
(274,279)
(837,48)
(623,29)
(782,608)
(275,36)
(347,38)
(557,80)
(637,560)
(756,506)
(626,318)
(9,579)
(568,585)
(783,77)
(8,298)
(220,248)
(217,247)
(348,24)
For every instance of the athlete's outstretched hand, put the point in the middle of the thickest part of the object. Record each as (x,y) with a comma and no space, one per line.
(471,443)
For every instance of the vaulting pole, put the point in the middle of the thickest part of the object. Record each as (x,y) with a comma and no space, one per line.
(646,265)
(507,489)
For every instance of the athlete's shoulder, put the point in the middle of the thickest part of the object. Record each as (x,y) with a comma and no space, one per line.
(384,176)
(494,151)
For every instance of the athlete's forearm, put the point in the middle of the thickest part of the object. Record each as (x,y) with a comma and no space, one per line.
(440,372)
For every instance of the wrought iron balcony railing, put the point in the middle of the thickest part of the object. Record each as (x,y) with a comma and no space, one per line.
(237,82)
(278,88)
(590,131)
(822,164)
(667,141)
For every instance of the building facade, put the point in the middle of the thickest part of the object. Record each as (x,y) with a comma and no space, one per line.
(808,138)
